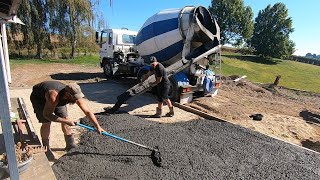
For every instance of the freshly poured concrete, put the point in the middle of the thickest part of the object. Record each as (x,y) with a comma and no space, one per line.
(199,149)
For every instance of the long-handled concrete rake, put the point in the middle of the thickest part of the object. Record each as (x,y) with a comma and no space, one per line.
(155,154)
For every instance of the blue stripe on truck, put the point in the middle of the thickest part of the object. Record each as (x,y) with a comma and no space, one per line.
(167,53)
(156,29)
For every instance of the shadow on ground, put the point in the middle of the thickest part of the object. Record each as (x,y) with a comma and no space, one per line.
(311,145)
(310,116)
(107,91)
(76,76)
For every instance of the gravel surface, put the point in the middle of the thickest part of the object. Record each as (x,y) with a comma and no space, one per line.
(199,149)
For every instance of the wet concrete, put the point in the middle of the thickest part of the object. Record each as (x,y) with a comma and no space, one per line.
(199,149)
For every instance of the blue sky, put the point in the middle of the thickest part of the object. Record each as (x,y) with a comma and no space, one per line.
(133,13)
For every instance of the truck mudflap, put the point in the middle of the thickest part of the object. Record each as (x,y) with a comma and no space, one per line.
(171,70)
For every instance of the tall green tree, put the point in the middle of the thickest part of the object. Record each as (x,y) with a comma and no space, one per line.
(33,15)
(24,31)
(39,24)
(68,16)
(271,32)
(235,20)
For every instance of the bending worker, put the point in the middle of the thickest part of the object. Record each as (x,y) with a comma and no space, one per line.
(49,100)
(163,85)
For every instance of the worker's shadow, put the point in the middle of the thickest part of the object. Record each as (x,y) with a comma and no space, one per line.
(310,116)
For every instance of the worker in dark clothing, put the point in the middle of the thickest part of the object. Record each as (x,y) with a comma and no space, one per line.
(49,100)
(163,85)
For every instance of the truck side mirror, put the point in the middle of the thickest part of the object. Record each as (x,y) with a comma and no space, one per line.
(97,37)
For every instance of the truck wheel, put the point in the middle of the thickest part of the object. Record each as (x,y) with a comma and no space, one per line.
(174,93)
(107,69)
(140,74)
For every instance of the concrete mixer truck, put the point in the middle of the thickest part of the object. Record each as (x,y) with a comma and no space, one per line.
(186,41)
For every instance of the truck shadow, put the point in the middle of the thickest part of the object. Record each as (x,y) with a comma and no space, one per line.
(76,76)
(107,91)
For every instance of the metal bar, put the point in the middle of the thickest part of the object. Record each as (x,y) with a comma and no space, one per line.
(29,126)
(114,136)
(6,121)
(5,51)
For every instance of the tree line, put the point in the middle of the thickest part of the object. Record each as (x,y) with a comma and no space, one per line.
(267,35)
(70,22)
(52,24)
(314,56)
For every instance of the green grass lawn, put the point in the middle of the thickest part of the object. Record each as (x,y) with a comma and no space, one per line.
(293,74)
(92,60)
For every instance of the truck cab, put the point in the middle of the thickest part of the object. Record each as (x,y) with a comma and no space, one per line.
(116,47)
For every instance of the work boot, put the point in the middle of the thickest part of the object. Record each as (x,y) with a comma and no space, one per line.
(158,113)
(171,112)
(49,153)
(69,142)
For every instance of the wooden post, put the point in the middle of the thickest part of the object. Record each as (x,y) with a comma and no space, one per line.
(277,80)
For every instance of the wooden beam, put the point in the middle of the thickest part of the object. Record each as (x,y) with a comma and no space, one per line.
(197,112)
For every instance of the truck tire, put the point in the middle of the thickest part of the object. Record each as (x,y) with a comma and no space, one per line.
(141,73)
(107,69)
(174,93)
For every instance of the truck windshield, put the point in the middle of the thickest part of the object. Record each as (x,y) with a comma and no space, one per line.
(128,39)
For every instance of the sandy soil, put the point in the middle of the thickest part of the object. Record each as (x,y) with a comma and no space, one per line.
(292,116)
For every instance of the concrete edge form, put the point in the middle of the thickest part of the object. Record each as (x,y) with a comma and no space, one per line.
(197,112)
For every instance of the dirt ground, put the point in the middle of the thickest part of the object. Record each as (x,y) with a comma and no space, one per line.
(289,115)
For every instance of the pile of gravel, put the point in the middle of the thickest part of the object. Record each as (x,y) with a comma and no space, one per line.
(199,149)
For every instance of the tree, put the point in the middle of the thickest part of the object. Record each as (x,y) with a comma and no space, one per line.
(308,55)
(272,28)
(35,29)
(68,16)
(38,24)
(235,20)
(26,30)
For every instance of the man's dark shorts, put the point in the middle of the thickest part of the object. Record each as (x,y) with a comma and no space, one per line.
(163,92)
(38,107)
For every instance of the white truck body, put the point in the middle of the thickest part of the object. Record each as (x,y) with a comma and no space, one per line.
(116,40)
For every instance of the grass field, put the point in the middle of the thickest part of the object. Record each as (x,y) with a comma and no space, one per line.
(81,60)
(293,74)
